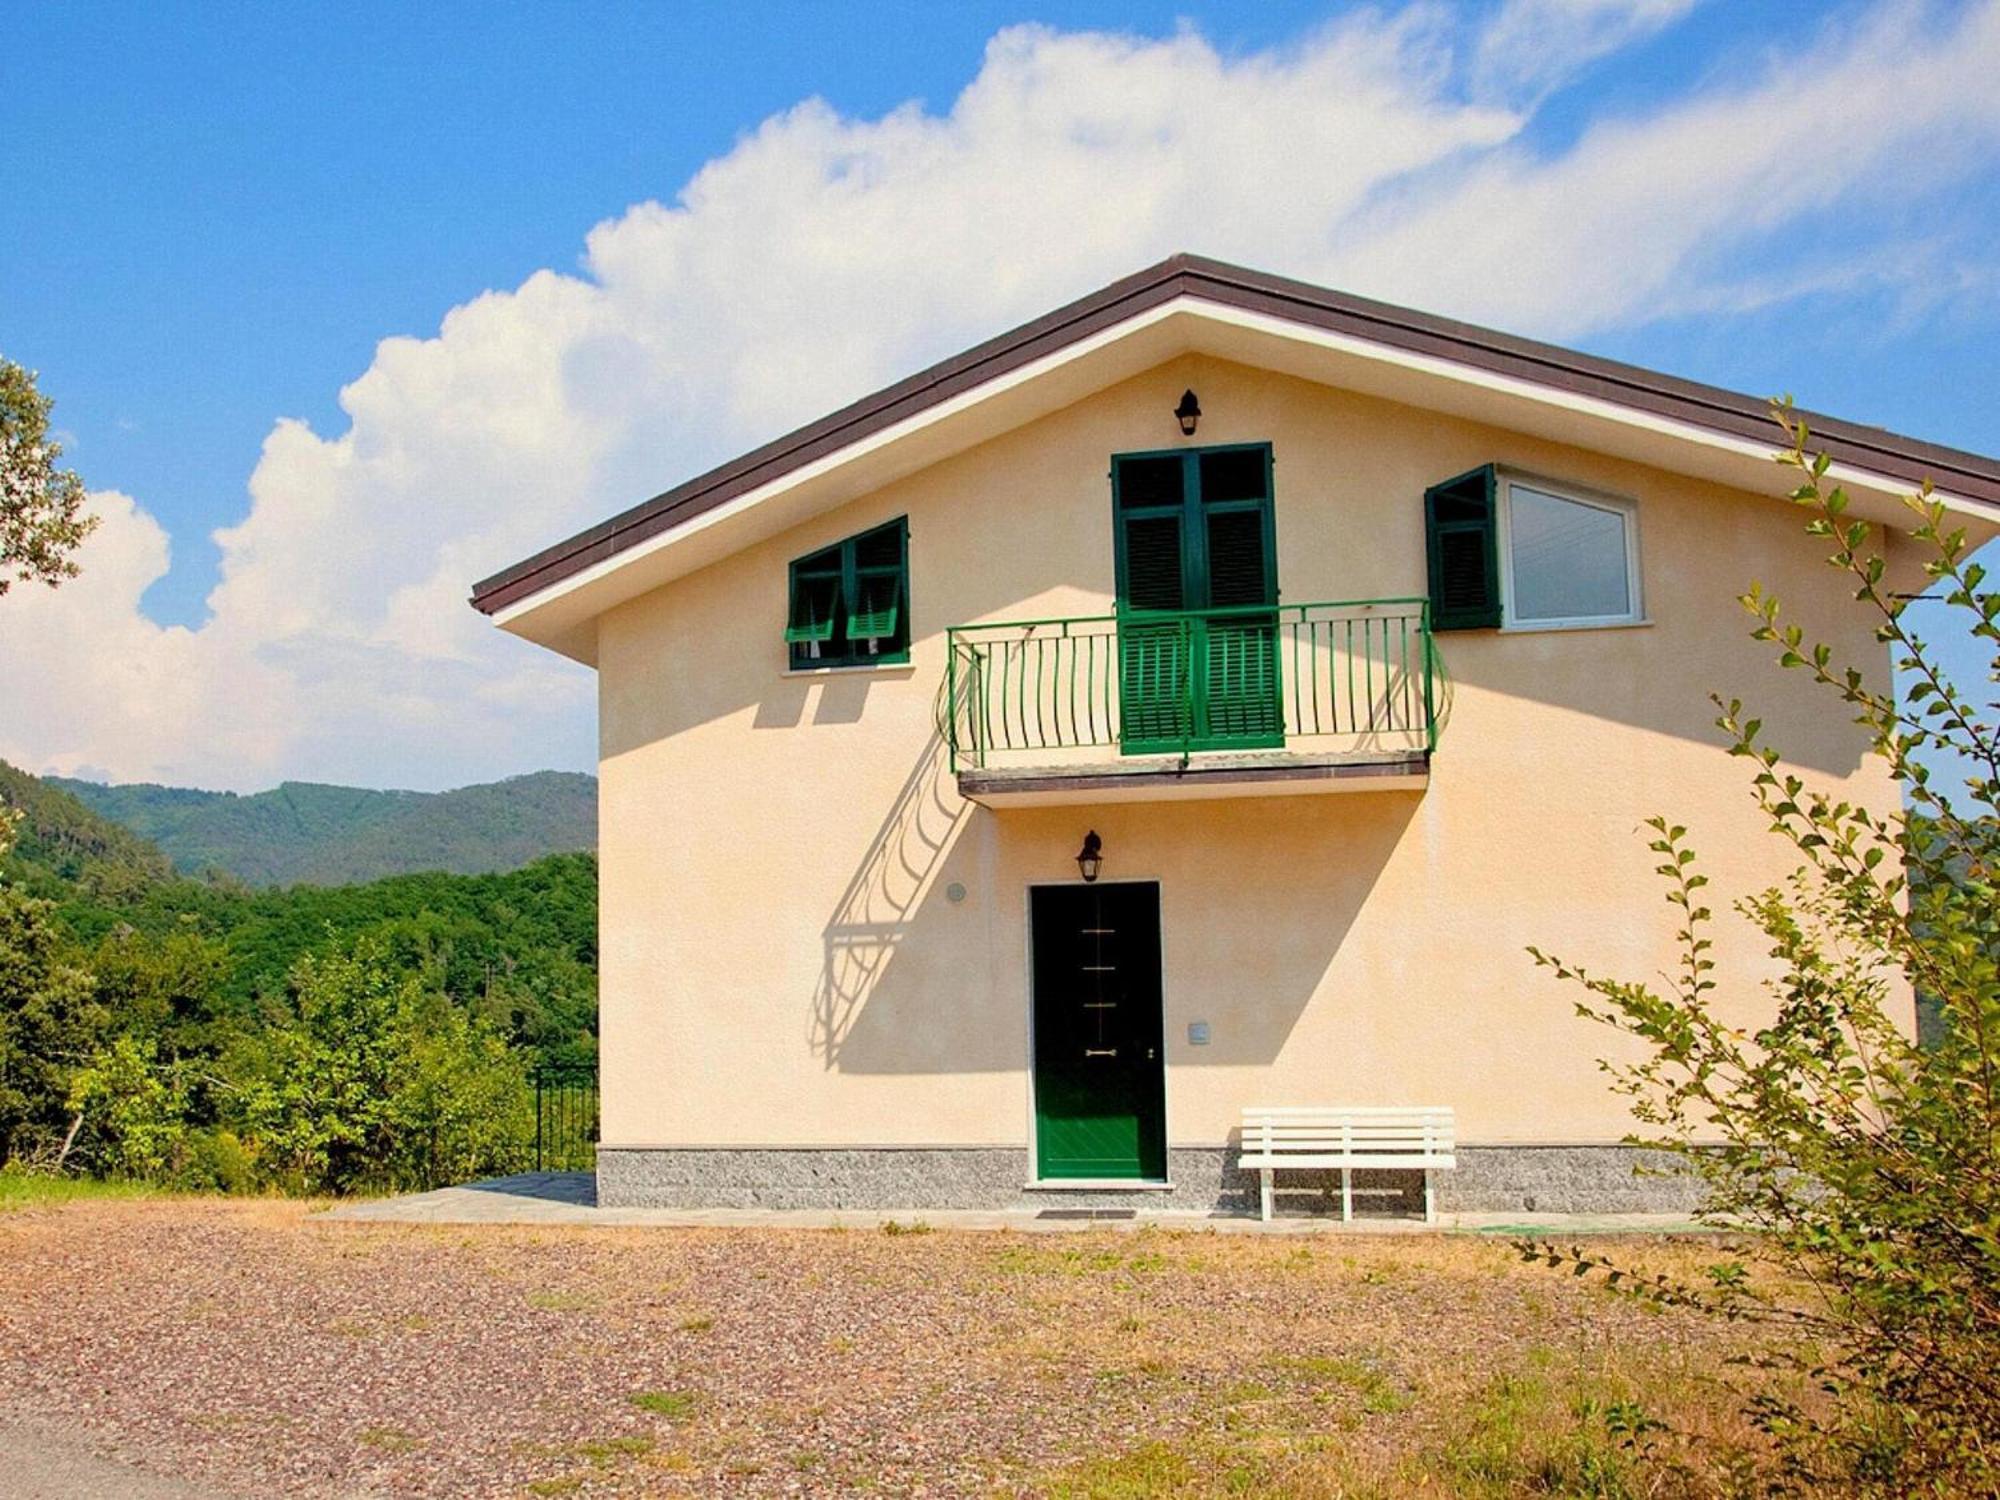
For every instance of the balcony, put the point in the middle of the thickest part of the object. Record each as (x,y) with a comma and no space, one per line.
(1256,701)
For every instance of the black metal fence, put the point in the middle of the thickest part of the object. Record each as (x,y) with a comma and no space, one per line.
(566,1119)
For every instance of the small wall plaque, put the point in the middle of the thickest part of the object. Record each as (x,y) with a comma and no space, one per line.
(1197,1033)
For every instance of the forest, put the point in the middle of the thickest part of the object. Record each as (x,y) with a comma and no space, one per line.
(202,1034)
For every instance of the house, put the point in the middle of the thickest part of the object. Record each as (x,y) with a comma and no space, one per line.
(1345,646)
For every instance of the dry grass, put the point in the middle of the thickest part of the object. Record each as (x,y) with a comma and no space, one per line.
(248,1345)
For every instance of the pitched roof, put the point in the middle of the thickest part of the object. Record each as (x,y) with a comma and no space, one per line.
(1564,370)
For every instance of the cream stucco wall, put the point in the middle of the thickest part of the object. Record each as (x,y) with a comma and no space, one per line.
(780,962)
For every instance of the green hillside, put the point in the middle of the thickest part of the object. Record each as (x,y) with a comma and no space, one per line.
(311,1038)
(62,840)
(335,835)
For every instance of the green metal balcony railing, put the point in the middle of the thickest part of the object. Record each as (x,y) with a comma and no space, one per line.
(1354,677)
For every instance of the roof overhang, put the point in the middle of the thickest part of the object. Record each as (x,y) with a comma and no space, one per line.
(555,598)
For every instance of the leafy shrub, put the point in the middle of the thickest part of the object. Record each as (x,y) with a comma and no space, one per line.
(373,1082)
(214,1161)
(137,1109)
(49,1022)
(1865,1160)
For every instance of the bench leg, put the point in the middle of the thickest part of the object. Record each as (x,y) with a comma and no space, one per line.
(1430,1214)
(1265,1193)
(1347,1195)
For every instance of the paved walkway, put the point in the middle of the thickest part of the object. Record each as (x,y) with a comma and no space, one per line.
(40,1463)
(571,1198)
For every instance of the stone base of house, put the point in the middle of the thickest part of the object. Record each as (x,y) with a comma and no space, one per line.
(1488,1179)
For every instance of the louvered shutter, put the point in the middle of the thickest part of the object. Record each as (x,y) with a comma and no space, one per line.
(1462,539)
(1239,653)
(1238,570)
(850,604)
(1153,660)
(1153,657)
(815,602)
(1153,575)
(879,575)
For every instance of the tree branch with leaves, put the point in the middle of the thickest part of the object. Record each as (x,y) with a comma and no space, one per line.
(1862,1160)
(41,506)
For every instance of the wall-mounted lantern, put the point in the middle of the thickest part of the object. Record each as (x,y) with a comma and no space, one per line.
(1188,413)
(1090,858)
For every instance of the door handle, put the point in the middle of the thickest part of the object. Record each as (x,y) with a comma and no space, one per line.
(1100,1051)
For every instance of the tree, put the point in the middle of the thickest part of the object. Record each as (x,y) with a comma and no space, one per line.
(139,1107)
(1866,1162)
(375,1081)
(50,1022)
(41,506)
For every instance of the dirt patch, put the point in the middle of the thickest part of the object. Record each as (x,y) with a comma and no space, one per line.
(248,1346)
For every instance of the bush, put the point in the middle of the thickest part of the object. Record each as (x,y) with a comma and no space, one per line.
(1866,1161)
(50,1022)
(135,1108)
(214,1161)
(372,1082)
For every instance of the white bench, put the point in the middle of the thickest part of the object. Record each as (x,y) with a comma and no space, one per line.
(1275,1139)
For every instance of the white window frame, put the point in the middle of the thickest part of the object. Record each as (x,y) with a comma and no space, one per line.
(1597,500)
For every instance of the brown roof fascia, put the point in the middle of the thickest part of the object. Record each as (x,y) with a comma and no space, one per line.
(1401,328)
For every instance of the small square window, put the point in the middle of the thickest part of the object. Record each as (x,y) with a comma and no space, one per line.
(850,603)
(1567,559)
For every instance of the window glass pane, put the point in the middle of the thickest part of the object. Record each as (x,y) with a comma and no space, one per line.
(1232,474)
(880,548)
(1569,558)
(820,562)
(1149,481)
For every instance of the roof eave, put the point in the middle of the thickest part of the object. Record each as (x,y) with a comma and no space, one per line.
(1966,481)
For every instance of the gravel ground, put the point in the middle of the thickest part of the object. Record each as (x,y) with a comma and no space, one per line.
(246,1346)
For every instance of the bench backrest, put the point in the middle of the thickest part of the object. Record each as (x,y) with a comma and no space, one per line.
(1348,1132)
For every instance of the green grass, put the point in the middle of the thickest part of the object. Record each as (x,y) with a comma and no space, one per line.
(1380,1393)
(20,1189)
(673,1404)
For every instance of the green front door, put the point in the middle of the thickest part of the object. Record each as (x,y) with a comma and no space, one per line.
(1197,559)
(1100,1078)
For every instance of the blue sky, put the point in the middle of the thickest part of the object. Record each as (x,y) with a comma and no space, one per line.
(214,216)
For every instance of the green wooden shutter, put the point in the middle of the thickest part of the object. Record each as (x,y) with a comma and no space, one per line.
(880,573)
(1239,571)
(1195,533)
(1153,657)
(815,602)
(1239,653)
(1462,538)
(877,606)
(850,603)
(1153,572)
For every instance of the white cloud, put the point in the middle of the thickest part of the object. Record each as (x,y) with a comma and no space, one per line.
(1534,44)
(1645,217)
(824,255)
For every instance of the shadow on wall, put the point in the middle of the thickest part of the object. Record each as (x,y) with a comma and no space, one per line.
(1259,897)
(873,915)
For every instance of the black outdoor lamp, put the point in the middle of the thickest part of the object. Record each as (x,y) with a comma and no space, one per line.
(1090,858)
(1189,412)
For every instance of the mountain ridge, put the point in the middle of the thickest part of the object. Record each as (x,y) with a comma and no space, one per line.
(319,833)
